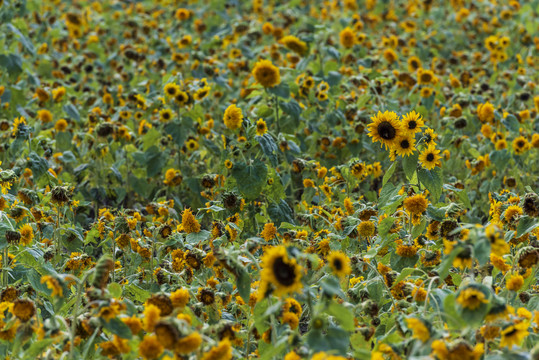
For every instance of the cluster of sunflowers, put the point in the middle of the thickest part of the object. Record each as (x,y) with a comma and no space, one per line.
(332,180)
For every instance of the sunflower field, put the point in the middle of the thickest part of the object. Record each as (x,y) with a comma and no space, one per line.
(264,179)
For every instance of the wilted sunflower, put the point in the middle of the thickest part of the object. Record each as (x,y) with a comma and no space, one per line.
(293,43)
(385,128)
(471,298)
(280,271)
(233,117)
(416,204)
(430,157)
(266,74)
(514,334)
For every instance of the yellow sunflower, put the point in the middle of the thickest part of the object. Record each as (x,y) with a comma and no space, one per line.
(266,74)
(430,157)
(405,145)
(233,117)
(280,271)
(339,263)
(412,122)
(514,334)
(385,128)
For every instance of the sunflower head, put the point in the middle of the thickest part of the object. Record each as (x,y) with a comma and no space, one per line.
(385,128)
(266,74)
(280,272)
(339,263)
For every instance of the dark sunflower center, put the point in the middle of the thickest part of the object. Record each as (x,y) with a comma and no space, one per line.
(511,333)
(405,144)
(337,263)
(430,157)
(520,143)
(412,125)
(386,130)
(284,273)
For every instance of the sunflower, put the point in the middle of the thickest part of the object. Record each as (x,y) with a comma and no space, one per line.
(347,37)
(471,298)
(426,92)
(419,329)
(405,145)
(385,128)
(165,115)
(261,127)
(293,43)
(366,229)
(188,344)
(171,89)
(222,351)
(416,204)
(182,98)
(281,271)
(150,348)
(430,157)
(266,74)
(189,223)
(515,282)
(514,334)
(24,309)
(233,117)
(339,263)
(27,234)
(414,64)
(412,122)
(520,145)
(425,76)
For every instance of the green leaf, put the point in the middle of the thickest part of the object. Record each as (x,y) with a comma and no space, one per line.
(250,178)
(269,148)
(404,274)
(344,316)
(72,112)
(12,63)
(243,283)
(115,290)
(138,294)
(118,327)
(37,348)
(197,238)
(385,226)
(281,212)
(259,311)
(282,90)
(291,108)
(525,225)
(432,180)
(389,173)
(389,198)
(511,123)
(409,164)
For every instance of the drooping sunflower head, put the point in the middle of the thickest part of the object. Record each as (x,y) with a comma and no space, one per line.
(266,74)
(233,117)
(385,128)
(280,271)
(471,298)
